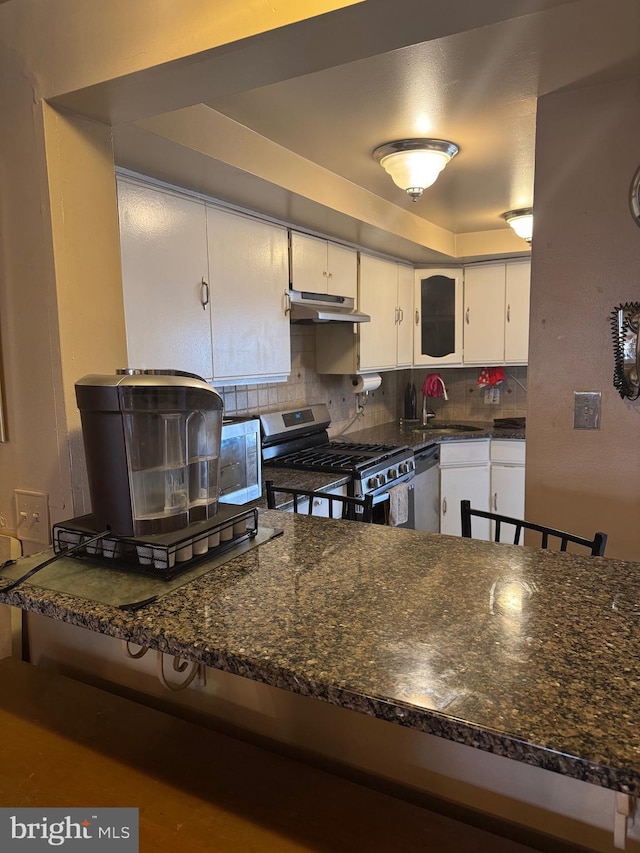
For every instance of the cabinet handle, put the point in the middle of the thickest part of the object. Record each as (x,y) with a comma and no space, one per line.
(466,316)
(324,273)
(417,317)
(444,506)
(330,275)
(508,313)
(495,502)
(287,303)
(204,294)
(401,320)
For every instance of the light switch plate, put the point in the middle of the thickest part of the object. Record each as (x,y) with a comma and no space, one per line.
(586,409)
(32,516)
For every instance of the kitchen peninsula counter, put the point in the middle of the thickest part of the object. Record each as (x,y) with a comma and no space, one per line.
(520,652)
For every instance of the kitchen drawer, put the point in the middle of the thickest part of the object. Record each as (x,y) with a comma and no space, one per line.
(508,451)
(475,451)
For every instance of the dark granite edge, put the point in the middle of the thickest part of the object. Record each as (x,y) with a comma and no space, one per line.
(132,628)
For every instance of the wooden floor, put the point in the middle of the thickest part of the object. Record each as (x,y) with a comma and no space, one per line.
(70,745)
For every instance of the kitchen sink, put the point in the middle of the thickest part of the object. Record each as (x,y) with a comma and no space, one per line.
(448,429)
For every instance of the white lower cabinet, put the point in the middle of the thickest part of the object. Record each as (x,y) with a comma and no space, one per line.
(464,475)
(507,483)
(321,505)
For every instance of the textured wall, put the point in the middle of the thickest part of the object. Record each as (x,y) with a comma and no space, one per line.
(585,261)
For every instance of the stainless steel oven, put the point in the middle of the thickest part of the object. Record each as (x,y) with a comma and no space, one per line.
(298,439)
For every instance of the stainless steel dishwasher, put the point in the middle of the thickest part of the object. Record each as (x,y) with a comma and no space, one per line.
(426,490)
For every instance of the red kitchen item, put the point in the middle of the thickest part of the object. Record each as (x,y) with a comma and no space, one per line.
(490,376)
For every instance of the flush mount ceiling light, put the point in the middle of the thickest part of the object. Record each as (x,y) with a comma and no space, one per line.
(521,221)
(414,164)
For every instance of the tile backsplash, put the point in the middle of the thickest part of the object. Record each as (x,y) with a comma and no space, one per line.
(466,401)
(304,386)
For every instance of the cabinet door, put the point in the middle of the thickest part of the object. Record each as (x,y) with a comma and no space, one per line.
(507,497)
(163,242)
(484,289)
(438,317)
(404,317)
(516,334)
(378,289)
(342,263)
(249,282)
(458,484)
(308,263)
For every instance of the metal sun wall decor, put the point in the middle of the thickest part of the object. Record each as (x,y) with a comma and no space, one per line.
(625,322)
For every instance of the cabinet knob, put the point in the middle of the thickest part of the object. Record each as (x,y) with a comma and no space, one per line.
(444,506)
(466,316)
(287,302)
(495,502)
(508,313)
(417,317)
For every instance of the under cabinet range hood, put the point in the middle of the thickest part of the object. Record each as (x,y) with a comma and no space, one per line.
(324,308)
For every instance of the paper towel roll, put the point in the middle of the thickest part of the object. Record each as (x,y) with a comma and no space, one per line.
(365,383)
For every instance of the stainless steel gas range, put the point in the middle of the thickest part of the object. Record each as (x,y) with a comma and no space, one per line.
(299,439)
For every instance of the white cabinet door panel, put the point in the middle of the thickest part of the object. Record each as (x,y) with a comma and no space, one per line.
(456,485)
(308,263)
(377,297)
(437,323)
(507,497)
(404,355)
(342,265)
(249,280)
(163,241)
(484,314)
(516,330)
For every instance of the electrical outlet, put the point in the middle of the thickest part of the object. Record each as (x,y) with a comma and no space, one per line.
(32,514)
(586,409)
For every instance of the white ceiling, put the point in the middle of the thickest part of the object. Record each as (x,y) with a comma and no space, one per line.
(477,88)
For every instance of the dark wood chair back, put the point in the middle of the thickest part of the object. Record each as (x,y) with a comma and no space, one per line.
(595,545)
(340,506)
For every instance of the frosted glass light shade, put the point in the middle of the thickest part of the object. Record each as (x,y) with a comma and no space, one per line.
(414,164)
(521,221)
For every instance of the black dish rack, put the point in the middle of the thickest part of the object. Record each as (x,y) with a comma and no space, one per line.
(161,555)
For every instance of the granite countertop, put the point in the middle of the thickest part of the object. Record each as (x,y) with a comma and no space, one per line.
(418,438)
(391,433)
(521,652)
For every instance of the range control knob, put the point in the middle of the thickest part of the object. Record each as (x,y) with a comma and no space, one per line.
(403,468)
(411,465)
(372,482)
(392,473)
(382,478)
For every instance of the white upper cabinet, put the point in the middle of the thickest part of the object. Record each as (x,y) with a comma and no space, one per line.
(496,313)
(385,293)
(516,330)
(404,317)
(165,271)
(249,289)
(320,266)
(378,294)
(205,290)
(438,317)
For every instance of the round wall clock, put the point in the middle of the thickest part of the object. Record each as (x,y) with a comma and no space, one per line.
(634,196)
